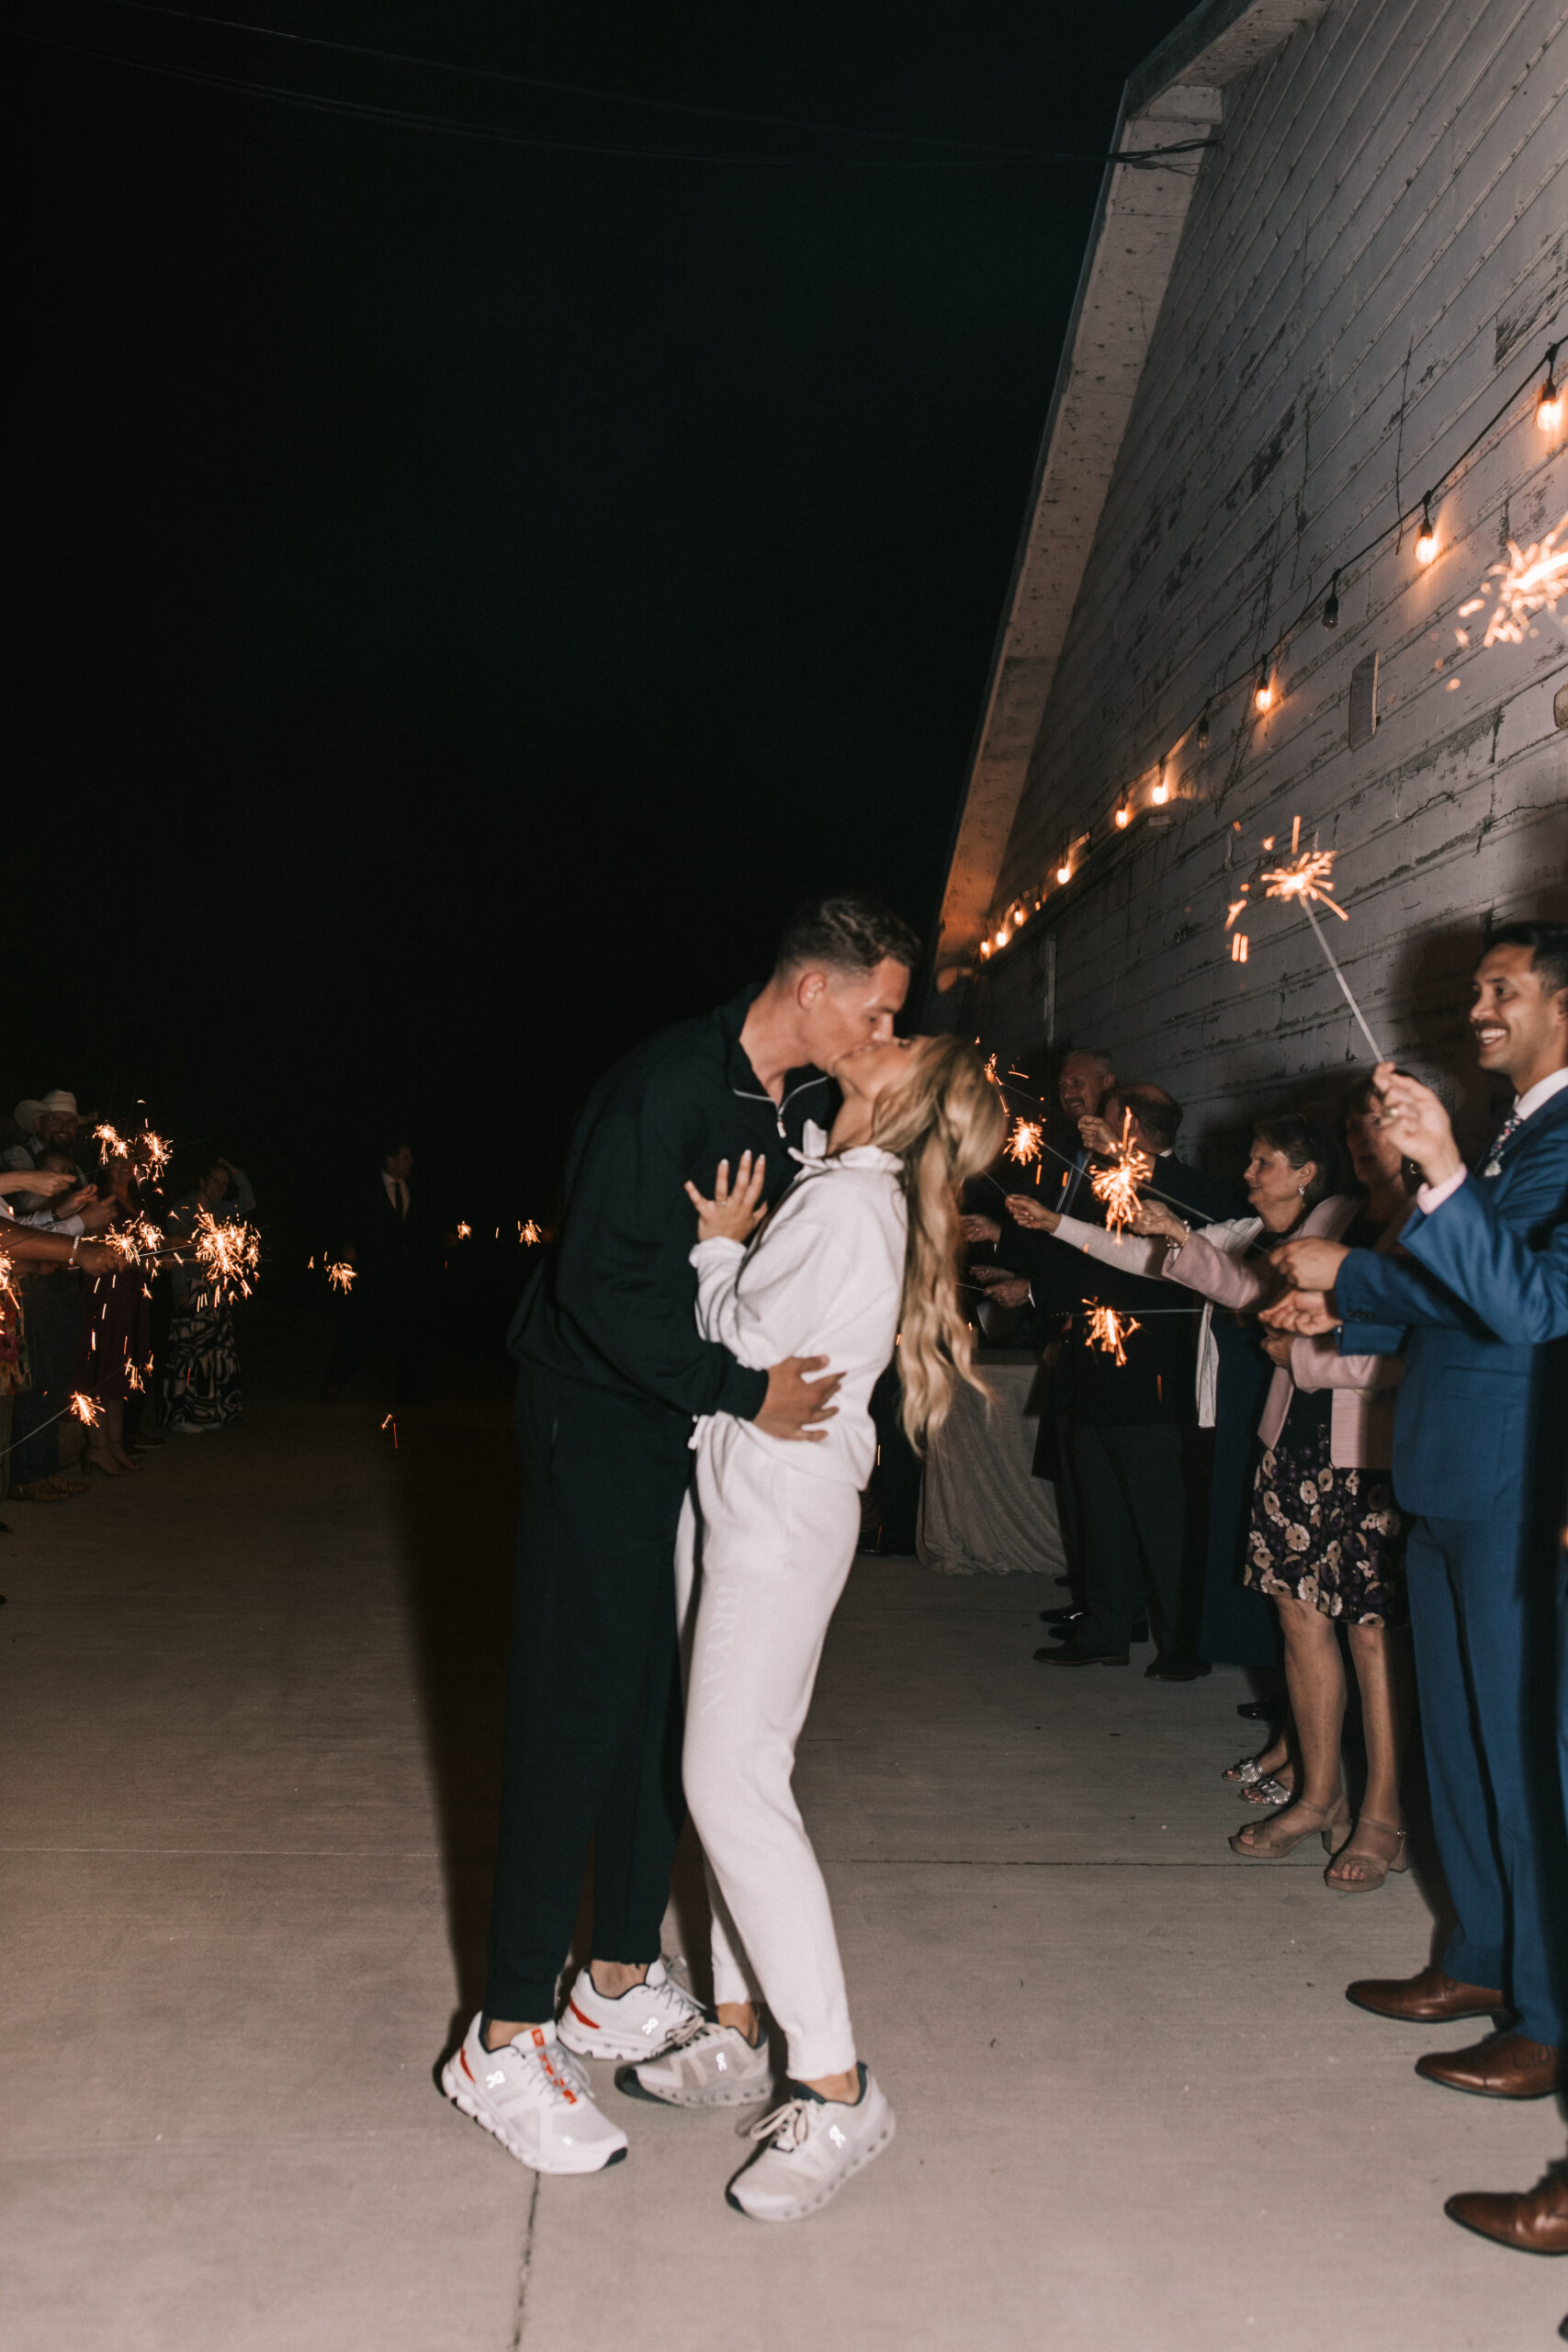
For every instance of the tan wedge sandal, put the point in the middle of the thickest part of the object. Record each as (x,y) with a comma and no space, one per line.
(1376,1867)
(1283,1835)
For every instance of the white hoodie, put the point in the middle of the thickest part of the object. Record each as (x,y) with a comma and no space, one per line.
(823,1275)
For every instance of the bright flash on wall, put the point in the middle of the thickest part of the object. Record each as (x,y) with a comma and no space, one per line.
(1427,538)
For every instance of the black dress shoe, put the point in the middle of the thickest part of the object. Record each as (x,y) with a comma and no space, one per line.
(1072,1655)
(1177,1669)
(1063,1617)
(1259,1710)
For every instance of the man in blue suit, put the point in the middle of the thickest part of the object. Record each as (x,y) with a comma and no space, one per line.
(1518,1284)
(1479,1444)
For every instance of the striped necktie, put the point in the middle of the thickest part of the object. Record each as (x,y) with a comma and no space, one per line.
(1510,1126)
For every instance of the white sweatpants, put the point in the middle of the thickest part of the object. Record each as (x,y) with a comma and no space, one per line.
(766,1552)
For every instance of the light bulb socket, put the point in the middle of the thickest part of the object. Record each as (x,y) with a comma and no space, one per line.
(1331,604)
(1427,538)
(1203,735)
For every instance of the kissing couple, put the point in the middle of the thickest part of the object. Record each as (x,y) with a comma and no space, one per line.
(822,1157)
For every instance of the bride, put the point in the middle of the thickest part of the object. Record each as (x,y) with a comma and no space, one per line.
(860,1255)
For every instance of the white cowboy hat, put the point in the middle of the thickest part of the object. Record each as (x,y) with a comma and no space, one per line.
(59,1101)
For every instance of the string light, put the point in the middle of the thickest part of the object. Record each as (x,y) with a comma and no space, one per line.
(1161,791)
(1331,604)
(1123,816)
(1427,538)
(1064,872)
(1202,736)
(1548,402)
(1263,692)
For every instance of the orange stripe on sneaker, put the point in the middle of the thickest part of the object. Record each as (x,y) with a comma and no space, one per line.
(463,2062)
(592,2023)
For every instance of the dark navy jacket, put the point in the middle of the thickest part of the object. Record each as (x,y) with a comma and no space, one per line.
(1474,1406)
(615,1302)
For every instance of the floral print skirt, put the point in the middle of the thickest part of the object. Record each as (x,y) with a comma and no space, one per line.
(1335,1538)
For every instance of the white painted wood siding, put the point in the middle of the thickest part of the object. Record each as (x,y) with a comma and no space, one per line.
(1376,257)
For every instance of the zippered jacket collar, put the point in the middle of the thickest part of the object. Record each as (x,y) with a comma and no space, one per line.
(738,1070)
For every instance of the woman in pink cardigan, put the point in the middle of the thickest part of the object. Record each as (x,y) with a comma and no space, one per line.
(1326,1539)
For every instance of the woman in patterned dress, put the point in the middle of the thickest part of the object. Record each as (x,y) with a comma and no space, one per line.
(201,1370)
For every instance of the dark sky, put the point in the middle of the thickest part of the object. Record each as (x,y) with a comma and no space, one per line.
(474,590)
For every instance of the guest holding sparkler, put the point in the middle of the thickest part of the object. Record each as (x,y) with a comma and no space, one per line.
(201,1369)
(1128,1401)
(45,1445)
(1478,1457)
(30,1426)
(1325,1538)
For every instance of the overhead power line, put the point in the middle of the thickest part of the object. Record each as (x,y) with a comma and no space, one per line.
(961,154)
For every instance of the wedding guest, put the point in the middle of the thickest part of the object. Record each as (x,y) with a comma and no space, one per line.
(387,1241)
(1469,1462)
(201,1370)
(27,1435)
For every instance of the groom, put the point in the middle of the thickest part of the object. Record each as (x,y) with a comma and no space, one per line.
(612,1374)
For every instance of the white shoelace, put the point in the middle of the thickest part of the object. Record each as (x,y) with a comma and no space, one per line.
(789,2124)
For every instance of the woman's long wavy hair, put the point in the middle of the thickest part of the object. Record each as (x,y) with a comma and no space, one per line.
(946,1122)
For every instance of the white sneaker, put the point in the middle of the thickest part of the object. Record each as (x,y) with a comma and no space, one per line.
(639,2025)
(707,2065)
(533,2101)
(810,2147)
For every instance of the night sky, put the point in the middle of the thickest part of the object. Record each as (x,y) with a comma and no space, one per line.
(472,591)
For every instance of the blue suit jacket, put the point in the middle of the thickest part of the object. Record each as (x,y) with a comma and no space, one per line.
(1474,1404)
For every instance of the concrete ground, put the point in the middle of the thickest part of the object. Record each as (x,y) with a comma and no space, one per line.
(251,1704)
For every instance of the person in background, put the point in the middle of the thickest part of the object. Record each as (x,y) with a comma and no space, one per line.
(387,1242)
(28,1249)
(52,1126)
(1478,1450)
(201,1370)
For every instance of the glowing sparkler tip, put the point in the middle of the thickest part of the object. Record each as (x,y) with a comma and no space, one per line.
(464,1230)
(1117,1185)
(529,1234)
(341,1275)
(85,1408)
(1026,1142)
(1108,1331)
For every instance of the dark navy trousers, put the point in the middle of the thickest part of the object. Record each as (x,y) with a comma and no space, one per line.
(1483,1606)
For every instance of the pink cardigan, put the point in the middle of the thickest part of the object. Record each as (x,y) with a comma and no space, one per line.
(1361,1437)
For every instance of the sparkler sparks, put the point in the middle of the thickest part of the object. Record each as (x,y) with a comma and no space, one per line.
(529,1234)
(991,1071)
(1026,1142)
(133,1242)
(227,1254)
(1117,1185)
(341,1275)
(1304,876)
(8,1268)
(111,1143)
(1534,580)
(156,1151)
(85,1408)
(464,1230)
(391,1424)
(1108,1331)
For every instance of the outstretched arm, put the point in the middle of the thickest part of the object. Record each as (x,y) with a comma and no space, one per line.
(1519,1290)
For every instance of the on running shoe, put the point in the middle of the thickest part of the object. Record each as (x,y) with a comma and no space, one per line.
(707,2065)
(639,2024)
(534,2099)
(811,2146)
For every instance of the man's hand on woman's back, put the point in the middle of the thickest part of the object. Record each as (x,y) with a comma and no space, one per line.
(794,1403)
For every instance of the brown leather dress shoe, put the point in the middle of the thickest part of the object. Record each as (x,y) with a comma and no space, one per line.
(1502,2066)
(1534,2221)
(1430,1999)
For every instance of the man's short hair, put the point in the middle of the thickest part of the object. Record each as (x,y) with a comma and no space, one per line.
(1157,1113)
(1548,944)
(847,930)
(1090,1054)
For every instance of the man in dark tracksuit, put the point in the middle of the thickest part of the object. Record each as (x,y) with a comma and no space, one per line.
(612,1371)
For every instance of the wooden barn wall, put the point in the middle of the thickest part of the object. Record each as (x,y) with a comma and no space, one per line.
(1372,261)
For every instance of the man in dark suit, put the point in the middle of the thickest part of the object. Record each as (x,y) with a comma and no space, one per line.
(1477,1455)
(1129,1418)
(387,1241)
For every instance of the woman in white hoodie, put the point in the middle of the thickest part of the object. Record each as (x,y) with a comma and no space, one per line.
(860,1254)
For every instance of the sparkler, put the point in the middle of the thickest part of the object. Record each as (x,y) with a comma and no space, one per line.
(156,1151)
(133,1242)
(1108,1331)
(1304,876)
(227,1254)
(1025,1142)
(529,1234)
(463,1231)
(389,1424)
(111,1145)
(85,1408)
(1117,1185)
(341,1275)
(1534,580)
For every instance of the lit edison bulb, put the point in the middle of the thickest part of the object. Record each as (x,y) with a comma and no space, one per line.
(1263,694)
(1161,791)
(985,949)
(1003,936)
(1548,407)
(1427,538)
(1064,872)
(1123,816)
